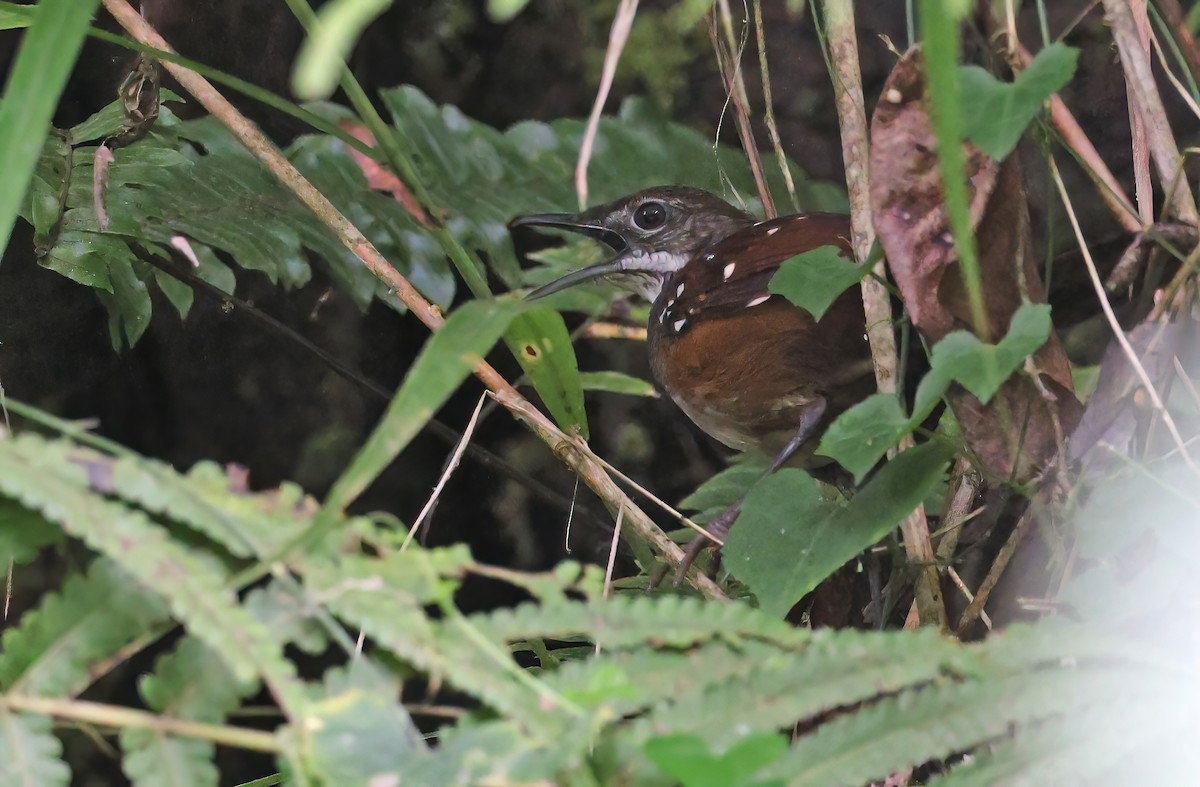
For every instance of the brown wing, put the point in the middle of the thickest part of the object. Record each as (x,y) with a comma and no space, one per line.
(743,363)
(733,274)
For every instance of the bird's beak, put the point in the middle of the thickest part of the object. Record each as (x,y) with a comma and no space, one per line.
(573,223)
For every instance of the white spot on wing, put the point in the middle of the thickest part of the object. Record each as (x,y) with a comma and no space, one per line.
(772,231)
(728,271)
(677,326)
(758,300)
(679,291)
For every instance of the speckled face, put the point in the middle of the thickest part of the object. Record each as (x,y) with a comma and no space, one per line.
(668,218)
(654,233)
(662,228)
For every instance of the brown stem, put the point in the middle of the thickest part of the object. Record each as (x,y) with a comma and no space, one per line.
(1144,96)
(1077,140)
(729,62)
(118,717)
(1175,19)
(1005,556)
(877,306)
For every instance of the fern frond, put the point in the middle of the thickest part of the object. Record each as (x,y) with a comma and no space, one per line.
(628,621)
(53,649)
(936,721)
(192,682)
(194,587)
(29,752)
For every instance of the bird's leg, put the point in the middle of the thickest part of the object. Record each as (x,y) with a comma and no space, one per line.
(718,528)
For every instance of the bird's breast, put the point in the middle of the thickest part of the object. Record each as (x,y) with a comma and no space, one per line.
(746,378)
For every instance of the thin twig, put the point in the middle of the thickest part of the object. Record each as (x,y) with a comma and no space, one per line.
(962,586)
(437,428)
(877,307)
(612,561)
(1003,558)
(270,156)
(1186,271)
(612,554)
(617,36)
(1075,138)
(957,510)
(575,452)
(653,498)
(760,38)
(1184,95)
(122,718)
(729,61)
(1143,188)
(1177,22)
(609,330)
(1143,94)
(1123,340)
(451,465)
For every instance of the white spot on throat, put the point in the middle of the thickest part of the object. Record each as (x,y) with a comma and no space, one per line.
(728,271)
(758,300)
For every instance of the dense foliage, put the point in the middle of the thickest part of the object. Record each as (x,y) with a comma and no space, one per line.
(353,636)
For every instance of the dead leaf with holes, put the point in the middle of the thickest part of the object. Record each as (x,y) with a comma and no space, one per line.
(1018,432)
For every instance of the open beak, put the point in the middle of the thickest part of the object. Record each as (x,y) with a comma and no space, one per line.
(571,222)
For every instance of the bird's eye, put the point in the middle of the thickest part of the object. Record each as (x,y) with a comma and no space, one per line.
(650,215)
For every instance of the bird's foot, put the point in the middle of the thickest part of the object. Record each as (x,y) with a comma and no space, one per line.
(718,528)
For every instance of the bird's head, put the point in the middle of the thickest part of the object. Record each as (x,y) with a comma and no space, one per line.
(653,232)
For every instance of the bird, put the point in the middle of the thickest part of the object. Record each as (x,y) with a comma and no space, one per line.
(748,367)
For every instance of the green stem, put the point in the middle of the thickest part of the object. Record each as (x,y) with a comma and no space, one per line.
(248,89)
(939,34)
(399,155)
(118,717)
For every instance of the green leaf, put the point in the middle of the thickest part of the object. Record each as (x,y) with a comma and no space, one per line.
(322,58)
(23,534)
(445,361)
(996,113)
(813,280)
(128,304)
(44,60)
(358,733)
(618,383)
(983,368)
(687,758)
(860,437)
(191,682)
(30,752)
(501,11)
(177,292)
(540,341)
(781,556)
(14,17)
